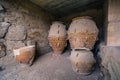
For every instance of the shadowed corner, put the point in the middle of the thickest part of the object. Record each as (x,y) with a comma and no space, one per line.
(1,68)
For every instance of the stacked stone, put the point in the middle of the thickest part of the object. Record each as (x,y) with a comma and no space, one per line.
(18,27)
(3,30)
(113,28)
(82,35)
(57,37)
(13,35)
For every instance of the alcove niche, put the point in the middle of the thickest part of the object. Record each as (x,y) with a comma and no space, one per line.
(26,21)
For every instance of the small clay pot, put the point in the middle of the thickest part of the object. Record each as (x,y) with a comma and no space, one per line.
(25,55)
(82,61)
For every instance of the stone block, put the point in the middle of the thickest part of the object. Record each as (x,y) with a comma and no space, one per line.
(13,17)
(113,34)
(14,44)
(38,35)
(114,10)
(109,52)
(106,74)
(3,28)
(114,63)
(2,50)
(16,33)
(105,54)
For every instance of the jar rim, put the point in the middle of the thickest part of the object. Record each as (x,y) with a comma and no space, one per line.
(82,17)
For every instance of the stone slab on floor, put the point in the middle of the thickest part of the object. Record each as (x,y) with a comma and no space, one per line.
(110,56)
(45,67)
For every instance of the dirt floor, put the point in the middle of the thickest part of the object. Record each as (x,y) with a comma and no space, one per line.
(45,67)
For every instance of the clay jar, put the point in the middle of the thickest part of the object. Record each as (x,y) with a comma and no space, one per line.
(57,37)
(25,55)
(82,61)
(82,33)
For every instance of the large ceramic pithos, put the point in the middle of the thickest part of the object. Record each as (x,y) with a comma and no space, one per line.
(82,33)
(82,61)
(25,55)
(57,37)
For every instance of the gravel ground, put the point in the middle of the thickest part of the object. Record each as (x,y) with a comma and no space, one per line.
(45,67)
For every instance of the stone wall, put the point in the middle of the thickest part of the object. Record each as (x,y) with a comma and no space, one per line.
(20,26)
(113,37)
(110,52)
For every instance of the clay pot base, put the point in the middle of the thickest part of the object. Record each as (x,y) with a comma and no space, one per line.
(27,64)
(80,72)
(57,54)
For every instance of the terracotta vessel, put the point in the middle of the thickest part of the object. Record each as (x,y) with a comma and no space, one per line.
(25,55)
(57,37)
(82,33)
(82,61)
